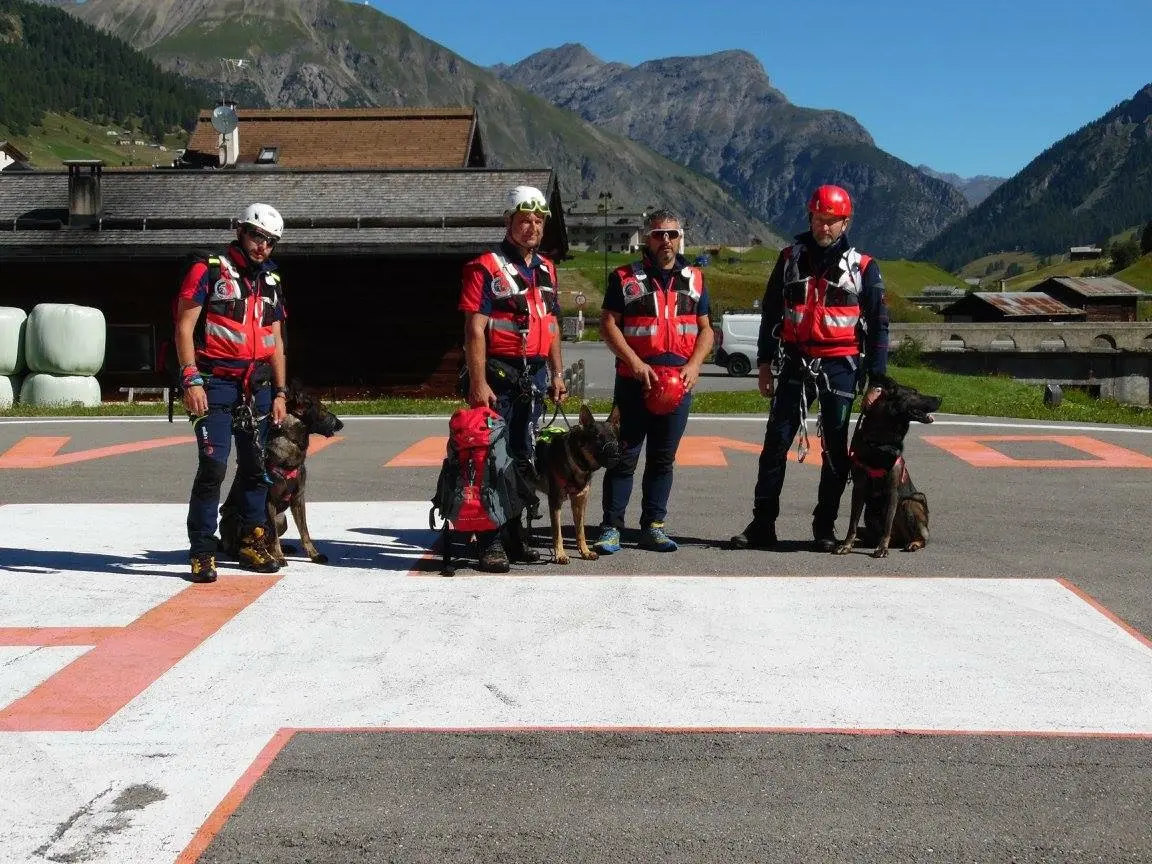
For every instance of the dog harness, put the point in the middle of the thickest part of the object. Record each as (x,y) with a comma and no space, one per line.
(290,479)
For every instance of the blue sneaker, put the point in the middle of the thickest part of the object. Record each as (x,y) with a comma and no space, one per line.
(654,537)
(609,541)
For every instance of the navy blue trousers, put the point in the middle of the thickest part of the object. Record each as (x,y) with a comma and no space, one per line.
(214,434)
(663,433)
(836,385)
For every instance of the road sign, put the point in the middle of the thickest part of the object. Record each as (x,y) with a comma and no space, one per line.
(580,299)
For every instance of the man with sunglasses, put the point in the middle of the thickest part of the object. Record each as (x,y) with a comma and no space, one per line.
(231,353)
(823,332)
(655,314)
(512,345)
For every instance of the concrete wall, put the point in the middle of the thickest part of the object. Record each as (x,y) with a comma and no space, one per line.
(1041,336)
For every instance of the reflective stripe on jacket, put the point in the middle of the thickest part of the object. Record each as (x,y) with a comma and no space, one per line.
(822,312)
(239,313)
(522,321)
(655,321)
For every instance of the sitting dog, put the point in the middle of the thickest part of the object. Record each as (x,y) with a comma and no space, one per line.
(284,455)
(566,459)
(894,511)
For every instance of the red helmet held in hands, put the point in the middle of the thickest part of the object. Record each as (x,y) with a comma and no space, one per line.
(831,200)
(667,392)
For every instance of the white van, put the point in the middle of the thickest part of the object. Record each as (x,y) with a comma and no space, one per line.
(736,343)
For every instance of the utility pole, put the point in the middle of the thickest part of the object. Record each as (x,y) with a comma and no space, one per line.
(605,203)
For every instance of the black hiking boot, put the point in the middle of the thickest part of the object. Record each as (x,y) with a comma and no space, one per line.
(493,559)
(759,534)
(824,538)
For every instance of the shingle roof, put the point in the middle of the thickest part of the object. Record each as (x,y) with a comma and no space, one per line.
(354,210)
(1016,304)
(353,137)
(1094,286)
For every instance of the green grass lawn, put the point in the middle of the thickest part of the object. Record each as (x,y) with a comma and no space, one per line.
(990,396)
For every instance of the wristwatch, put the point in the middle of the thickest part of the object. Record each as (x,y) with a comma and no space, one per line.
(280,391)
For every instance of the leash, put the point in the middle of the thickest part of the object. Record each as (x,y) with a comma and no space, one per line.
(560,410)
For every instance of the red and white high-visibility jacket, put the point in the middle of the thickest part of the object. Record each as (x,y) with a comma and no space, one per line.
(820,316)
(659,322)
(522,321)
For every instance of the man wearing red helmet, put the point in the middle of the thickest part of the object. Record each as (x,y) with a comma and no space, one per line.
(655,320)
(823,332)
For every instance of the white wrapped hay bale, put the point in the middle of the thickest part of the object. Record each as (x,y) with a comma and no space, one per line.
(65,339)
(12,340)
(9,390)
(43,390)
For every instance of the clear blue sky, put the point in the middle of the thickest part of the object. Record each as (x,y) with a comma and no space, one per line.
(976,87)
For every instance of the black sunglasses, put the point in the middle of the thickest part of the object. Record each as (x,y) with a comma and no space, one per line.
(261,237)
(665,234)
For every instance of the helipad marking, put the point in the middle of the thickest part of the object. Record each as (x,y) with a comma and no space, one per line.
(44,451)
(696,451)
(974,450)
(224,811)
(357,644)
(124,661)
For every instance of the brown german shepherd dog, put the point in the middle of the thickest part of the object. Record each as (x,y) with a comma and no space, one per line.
(285,452)
(565,462)
(894,510)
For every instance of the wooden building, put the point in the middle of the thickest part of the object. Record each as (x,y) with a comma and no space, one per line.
(1103,298)
(370,259)
(344,138)
(1014,306)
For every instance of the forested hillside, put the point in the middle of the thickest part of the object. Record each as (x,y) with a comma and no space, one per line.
(1081,190)
(49,61)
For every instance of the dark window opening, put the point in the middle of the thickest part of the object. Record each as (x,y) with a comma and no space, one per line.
(130,348)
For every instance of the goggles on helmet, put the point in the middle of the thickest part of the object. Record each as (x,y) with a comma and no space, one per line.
(532,205)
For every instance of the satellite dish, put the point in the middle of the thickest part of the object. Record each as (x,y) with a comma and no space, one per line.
(224,119)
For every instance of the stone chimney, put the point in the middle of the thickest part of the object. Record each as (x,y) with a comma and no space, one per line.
(85,202)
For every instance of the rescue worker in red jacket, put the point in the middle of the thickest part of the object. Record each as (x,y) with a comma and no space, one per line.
(512,346)
(232,370)
(654,316)
(823,333)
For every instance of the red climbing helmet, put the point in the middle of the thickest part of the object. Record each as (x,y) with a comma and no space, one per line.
(831,200)
(667,392)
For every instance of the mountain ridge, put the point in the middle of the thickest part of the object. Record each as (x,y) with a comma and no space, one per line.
(331,53)
(720,115)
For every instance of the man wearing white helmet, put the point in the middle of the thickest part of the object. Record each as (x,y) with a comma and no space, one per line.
(512,339)
(231,354)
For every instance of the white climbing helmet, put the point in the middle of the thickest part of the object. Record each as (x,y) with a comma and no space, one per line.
(527,199)
(264,218)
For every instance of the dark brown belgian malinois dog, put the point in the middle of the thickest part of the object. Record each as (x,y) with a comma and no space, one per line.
(284,455)
(566,459)
(894,510)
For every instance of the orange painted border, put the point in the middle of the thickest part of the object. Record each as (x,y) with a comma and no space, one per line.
(219,817)
(1107,613)
(973,450)
(235,797)
(125,661)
